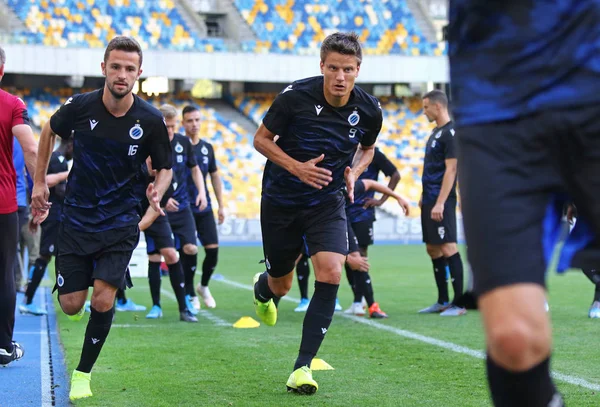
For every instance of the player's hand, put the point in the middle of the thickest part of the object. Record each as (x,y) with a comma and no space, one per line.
(437,213)
(310,174)
(201,201)
(372,202)
(221,215)
(154,199)
(39,202)
(172,205)
(350,180)
(570,213)
(33,227)
(358,263)
(404,204)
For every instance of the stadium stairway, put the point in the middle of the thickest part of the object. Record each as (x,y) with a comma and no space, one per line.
(40,377)
(232,114)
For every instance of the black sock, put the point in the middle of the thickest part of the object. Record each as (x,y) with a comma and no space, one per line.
(366,287)
(593,275)
(176,277)
(316,322)
(597,293)
(262,292)
(154,281)
(121,298)
(351,276)
(96,332)
(35,278)
(209,264)
(532,388)
(303,274)
(457,275)
(439,272)
(189,263)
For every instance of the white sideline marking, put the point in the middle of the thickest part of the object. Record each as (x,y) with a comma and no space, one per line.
(44,354)
(132,326)
(577,381)
(203,313)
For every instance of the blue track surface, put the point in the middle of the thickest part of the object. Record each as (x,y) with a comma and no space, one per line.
(39,378)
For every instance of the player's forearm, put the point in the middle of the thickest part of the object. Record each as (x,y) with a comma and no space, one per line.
(198,180)
(215,179)
(394,179)
(148,219)
(274,153)
(45,147)
(362,159)
(447,184)
(28,144)
(371,185)
(162,181)
(55,179)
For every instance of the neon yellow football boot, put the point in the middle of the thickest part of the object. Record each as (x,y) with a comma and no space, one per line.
(302,382)
(266,311)
(80,385)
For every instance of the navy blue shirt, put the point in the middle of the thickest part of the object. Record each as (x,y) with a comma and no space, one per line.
(103,186)
(513,58)
(356,212)
(439,148)
(58,163)
(308,127)
(205,157)
(183,160)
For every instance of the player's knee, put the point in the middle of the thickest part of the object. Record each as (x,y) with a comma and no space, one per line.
(434,251)
(70,306)
(190,249)
(281,287)
(517,344)
(170,255)
(103,300)
(154,258)
(449,249)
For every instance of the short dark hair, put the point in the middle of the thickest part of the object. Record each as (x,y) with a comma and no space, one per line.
(437,96)
(123,43)
(342,43)
(2,57)
(189,109)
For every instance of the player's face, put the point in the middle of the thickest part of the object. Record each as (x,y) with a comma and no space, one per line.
(122,70)
(171,126)
(430,110)
(191,123)
(339,72)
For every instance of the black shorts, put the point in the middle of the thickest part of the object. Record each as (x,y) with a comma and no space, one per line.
(159,236)
(364,232)
(323,226)
(439,232)
(353,242)
(509,173)
(48,238)
(206,228)
(183,227)
(84,257)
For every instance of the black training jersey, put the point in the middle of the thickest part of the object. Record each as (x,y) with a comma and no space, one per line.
(440,147)
(205,157)
(514,58)
(380,163)
(58,163)
(183,160)
(308,127)
(147,179)
(108,151)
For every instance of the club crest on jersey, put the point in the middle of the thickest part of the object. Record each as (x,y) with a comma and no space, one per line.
(354,118)
(179,148)
(60,280)
(136,132)
(438,135)
(204,150)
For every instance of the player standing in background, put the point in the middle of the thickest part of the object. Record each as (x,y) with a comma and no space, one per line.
(362,216)
(205,219)
(322,123)
(113,132)
(178,206)
(14,122)
(22,210)
(526,104)
(438,205)
(58,171)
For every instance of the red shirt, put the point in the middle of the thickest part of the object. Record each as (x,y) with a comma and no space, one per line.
(12,112)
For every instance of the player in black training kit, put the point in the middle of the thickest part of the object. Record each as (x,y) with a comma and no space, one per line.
(361,216)
(438,205)
(178,206)
(113,133)
(526,105)
(160,242)
(205,218)
(58,170)
(322,123)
